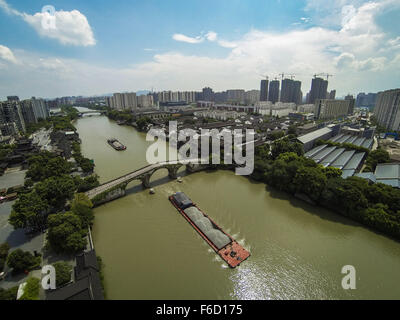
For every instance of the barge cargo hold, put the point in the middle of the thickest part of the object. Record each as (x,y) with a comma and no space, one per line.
(116,144)
(222,243)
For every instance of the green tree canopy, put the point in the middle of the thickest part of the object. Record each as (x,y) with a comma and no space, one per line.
(65,234)
(310,181)
(29,211)
(4,248)
(56,190)
(63,273)
(46,165)
(375,157)
(284,146)
(20,261)
(82,207)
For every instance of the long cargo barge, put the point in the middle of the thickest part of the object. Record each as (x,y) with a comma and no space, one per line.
(221,242)
(116,144)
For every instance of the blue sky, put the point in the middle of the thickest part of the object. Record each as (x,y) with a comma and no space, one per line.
(107,46)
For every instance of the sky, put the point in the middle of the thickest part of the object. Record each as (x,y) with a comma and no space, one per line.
(98,47)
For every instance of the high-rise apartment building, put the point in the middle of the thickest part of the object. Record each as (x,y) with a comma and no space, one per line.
(319,89)
(235,96)
(145,101)
(331,109)
(27,112)
(366,100)
(291,91)
(352,103)
(122,101)
(11,113)
(252,97)
(332,95)
(274,91)
(208,94)
(264,90)
(387,109)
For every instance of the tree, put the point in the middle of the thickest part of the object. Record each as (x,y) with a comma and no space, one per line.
(4,248)
(142,123)
(82,207)
(56,190)
(20,261)
(284,146)
(378,217)
(63,273)
(310,181)
(29,211)
(332,172)
(65,234)
(87,165)
(89,183)
(8,295)
(292,130)
(375,157)
(344,197)
(46,165)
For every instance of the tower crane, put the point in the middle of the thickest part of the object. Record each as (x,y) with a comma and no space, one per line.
(327,75)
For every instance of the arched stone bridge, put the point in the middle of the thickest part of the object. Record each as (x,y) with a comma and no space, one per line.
(115,189)
(81,113)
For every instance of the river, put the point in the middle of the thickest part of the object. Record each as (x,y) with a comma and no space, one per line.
(297,250)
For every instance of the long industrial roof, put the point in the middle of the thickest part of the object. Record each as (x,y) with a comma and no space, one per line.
(343,159)
(387,171)
(344,139)
(355,161)
(332,157)
(335,138)
(314,135)
(314,151)
(348,173)
(368,143)
(359,141)
(323,154)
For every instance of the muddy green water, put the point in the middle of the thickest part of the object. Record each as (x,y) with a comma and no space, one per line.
(298,251)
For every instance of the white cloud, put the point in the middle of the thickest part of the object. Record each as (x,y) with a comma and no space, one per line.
(211,36)
(348,61)
(71,27)
(7,55)
(394,43)
(182,38)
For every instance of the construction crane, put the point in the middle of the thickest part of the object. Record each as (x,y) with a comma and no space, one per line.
(327,75)
(264,76)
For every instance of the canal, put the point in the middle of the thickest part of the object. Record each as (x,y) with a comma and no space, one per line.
(298,251)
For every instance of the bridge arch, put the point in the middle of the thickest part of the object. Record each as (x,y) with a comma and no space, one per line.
(117,187)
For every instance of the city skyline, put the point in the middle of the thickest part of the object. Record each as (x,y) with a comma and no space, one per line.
(174,49)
